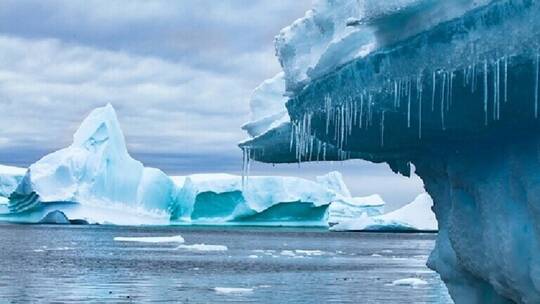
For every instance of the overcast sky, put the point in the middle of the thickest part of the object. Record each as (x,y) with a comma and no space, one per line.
(179,74)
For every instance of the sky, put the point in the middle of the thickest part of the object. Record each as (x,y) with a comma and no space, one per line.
(179,74)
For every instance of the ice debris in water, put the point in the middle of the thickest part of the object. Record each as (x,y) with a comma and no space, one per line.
(413,282)
(156,239)
(203,247)
(231,290)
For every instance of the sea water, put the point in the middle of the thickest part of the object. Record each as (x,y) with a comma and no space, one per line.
(108,264)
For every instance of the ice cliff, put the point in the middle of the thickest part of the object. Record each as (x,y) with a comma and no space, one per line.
(451,87)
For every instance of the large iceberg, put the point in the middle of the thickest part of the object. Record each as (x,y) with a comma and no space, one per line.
(415,216)
(94,179)
(451,87)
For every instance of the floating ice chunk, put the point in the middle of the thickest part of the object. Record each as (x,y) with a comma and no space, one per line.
(230,290)
(203,247)
(158,239)
(253,256)
(310,252)
(413,282)
(288,253)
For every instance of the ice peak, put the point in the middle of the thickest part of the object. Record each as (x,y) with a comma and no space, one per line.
(100,126)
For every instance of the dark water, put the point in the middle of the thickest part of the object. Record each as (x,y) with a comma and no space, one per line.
(47,264)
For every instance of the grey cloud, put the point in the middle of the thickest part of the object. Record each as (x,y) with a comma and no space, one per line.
(179,74)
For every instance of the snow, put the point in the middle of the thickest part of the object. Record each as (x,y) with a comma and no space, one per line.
(413,282)
(333,33)
(152,239)
(203,247)
(230,290)
(416,215)
(95,173)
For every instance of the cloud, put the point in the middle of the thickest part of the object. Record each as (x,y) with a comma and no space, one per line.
(47,87)
(179,74)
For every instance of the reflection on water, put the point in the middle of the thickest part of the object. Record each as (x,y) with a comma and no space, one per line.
(84,263)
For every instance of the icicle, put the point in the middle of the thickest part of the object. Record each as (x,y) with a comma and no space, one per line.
(396,96)
(434,84)
(495,91)
(409,104)
(342,126)
(473,82)
(505,79)
(443,94)
(382,129)
(370,100)
(246,165)
(536,86)
(498,90)
(485,92)
(328,106)
(451,89)
(361,110)
(419,91)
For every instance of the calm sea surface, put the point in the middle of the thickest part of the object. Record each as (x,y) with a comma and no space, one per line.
(54,264)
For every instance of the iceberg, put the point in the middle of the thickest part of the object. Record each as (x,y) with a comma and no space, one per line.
(448,88)
(94,179)
(415,216)
(346,210)
(262,200)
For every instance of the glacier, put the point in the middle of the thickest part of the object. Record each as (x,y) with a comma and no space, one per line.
(449,89)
